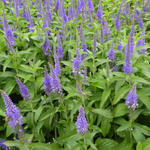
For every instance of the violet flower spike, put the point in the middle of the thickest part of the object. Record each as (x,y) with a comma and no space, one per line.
(77,62)
(127,68)
(46,46)
(23,90)
(100,11)
(94,44)
(4,1)
(12,111)
(59,48)
(56,86)
(141,24)
(141,42)
(131,100)
(119,47)
(47,83)
(90,6)
(111,53)
(57,64)
(117,19)
(10,40)
(16,6)
(128,11)
(57,3)
(132,39)
(81,124)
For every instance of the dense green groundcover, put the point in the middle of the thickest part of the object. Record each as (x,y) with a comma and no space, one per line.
(49,121)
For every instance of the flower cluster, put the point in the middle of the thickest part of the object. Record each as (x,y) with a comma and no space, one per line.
(131,100)
(12,111)
(81,124)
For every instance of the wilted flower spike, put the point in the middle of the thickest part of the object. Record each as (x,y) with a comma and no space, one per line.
(23,90)
(47,83)
(131,100)
(12,111)
(81,124)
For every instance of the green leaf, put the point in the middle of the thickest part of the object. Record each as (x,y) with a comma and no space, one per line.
(146,144)
(105,126)
(125,145)
(15,144)
(139,146)
(145,99)
(42,146)
(9,131)
(38,113)
(2,113)
(105,96)
(138,136)
(103,112)
(123,127)
(120,94)
(106,144)
(120,110)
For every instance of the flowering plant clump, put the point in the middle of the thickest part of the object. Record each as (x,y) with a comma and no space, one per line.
(76,74)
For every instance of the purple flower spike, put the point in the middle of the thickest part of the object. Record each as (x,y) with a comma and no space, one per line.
(111,53)
(12,111)
(141,21)
(16,6)
(59,48)
(46,46)
(4,1)
(57,3)
(56,86)
(132,39)
(10,40)
(117,19)
(100,11)
(23,90)
(81,124)
(141,42)
(57,64)
(128,11)
(77,62)
(127,68)
(119,47)
(47,83)
(90,6)
(131,100)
